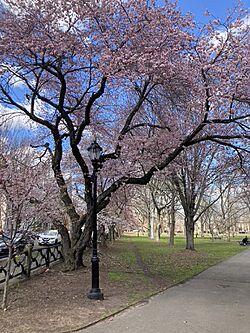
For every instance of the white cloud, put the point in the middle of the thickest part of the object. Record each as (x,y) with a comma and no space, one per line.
(221,36)
(13,119)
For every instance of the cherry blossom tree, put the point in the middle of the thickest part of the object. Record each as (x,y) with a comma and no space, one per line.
(135,76)
(26,193)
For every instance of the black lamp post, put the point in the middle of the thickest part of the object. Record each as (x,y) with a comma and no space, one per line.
(94,154)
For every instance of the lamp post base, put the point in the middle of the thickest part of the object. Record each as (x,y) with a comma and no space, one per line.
(95,293)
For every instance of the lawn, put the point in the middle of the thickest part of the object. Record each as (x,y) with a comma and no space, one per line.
(156,260)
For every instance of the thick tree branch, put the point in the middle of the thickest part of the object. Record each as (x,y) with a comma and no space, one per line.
(91,101)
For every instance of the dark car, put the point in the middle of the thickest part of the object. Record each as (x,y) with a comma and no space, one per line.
(3,247)
(18,242)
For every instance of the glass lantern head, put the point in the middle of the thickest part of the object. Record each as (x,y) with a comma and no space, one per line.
(94,151)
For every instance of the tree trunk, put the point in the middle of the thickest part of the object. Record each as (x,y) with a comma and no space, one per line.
(228,234)
(171,232)
(73,257)
(158,224)
(172,222)
(73,247)
(69,260)
(189,227)
(151,228)
(102,236)
(6,282)
(202,229)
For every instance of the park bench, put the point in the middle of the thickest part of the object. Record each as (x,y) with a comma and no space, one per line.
(244,244)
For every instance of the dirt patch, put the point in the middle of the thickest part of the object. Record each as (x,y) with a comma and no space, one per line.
(187,258)
(56,302)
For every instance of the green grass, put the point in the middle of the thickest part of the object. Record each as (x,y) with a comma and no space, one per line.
(118,276)
(171,264)
(138,267)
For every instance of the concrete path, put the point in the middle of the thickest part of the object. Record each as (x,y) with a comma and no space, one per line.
(215,301)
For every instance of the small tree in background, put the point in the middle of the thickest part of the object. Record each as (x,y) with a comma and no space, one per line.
(25,189)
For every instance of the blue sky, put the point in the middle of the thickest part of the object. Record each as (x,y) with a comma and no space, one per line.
(217,7)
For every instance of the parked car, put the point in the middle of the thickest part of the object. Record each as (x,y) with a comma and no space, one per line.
(18,242)
(3,248)
(49,237)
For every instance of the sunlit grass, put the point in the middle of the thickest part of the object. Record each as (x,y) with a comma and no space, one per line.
(172,264)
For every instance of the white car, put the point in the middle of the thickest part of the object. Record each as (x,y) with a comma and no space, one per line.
(49,237)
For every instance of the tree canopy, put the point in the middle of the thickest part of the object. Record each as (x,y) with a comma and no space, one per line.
(142,79)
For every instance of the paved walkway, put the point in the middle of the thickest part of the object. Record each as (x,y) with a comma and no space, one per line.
(215,301)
